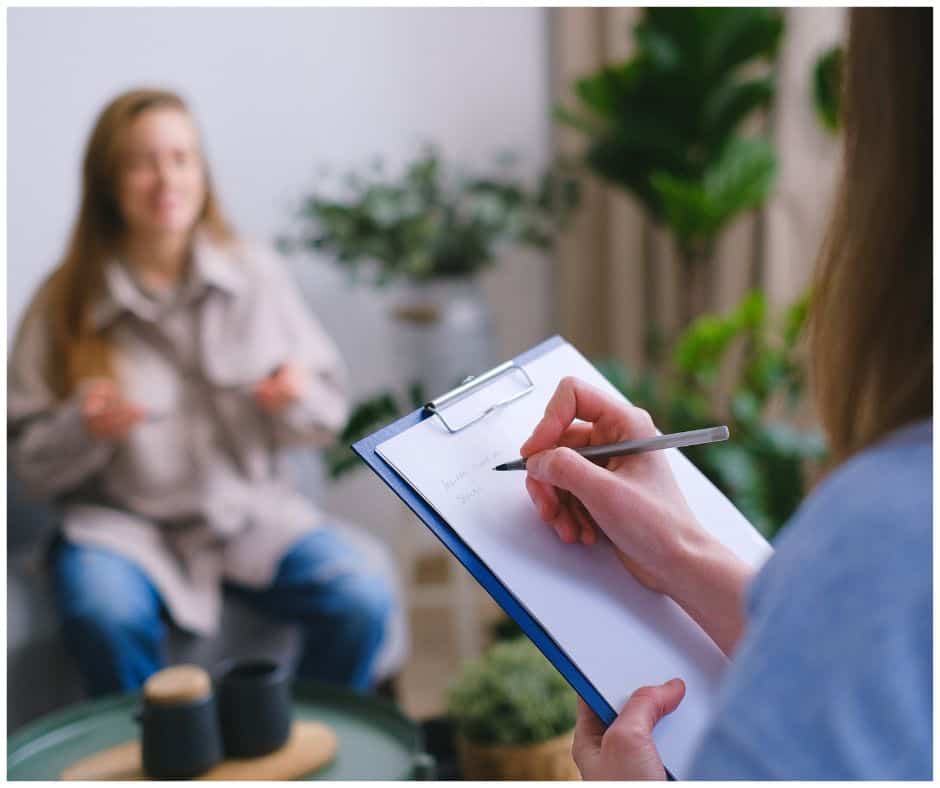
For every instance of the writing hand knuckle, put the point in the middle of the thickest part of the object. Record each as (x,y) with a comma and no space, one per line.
(563,459)
(551,466)
(641,420)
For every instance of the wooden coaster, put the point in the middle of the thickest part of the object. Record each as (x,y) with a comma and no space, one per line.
(311,746)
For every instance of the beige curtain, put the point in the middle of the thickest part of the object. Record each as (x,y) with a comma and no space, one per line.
(616,271)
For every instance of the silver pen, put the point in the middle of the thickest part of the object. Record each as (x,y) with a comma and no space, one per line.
(674,440)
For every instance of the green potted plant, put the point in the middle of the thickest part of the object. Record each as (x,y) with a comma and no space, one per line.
(665,125)
(514,716)
(429,223)
(425,234)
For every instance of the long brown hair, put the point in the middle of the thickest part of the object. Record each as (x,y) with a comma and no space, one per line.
(77,350)
(871,325)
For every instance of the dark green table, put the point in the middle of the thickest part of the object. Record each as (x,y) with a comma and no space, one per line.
(376,741)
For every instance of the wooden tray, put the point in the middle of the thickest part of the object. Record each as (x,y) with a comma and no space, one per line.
(376,741)
(311,746)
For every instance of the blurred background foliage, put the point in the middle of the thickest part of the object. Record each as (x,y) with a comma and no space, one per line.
(764,467)
(667,125)
(431,221)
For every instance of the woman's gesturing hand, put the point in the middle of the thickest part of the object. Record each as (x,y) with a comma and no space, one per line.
(283,386)
(625,750)
(105,412)
(635,500)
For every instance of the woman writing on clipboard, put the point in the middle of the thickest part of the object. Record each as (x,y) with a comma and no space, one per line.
(831,645)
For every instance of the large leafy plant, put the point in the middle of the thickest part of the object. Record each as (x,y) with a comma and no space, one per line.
(665,124)
(763,467)
(429,222)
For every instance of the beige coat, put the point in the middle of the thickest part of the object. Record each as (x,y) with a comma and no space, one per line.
(196,493)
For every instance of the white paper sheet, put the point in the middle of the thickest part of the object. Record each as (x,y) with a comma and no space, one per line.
(621,635)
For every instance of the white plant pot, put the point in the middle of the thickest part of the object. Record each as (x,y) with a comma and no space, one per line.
(443,332)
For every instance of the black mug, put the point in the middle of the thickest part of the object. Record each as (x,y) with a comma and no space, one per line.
(180,740)
(254,706)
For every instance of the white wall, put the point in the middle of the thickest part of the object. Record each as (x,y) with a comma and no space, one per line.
(279,92)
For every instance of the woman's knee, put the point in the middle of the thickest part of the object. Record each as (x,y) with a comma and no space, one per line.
(102,592)
(365,599)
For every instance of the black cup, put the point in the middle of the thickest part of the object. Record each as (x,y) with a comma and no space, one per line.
(180,740)
(254,706)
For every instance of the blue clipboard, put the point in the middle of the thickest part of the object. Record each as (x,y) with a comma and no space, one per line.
(365,448)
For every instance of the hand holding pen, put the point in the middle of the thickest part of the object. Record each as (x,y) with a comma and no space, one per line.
(634,500)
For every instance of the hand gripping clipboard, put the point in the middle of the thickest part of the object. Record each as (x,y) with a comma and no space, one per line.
(366,449)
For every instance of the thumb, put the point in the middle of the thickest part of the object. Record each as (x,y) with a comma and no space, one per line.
(648,705)
(566,469)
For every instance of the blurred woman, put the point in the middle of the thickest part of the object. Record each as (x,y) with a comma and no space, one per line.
(154,379)
(831,642)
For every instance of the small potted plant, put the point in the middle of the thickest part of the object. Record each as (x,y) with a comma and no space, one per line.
(431,223)
(514,716)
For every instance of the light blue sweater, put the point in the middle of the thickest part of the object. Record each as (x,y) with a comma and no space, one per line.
(833,678)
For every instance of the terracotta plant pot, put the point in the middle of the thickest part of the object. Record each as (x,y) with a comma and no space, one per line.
(547,760)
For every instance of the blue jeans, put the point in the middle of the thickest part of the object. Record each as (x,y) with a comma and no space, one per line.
(113,615)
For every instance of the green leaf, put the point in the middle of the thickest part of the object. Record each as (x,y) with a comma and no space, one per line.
(603,92)
(684,205)
(661,49)
(795,319)
(740,179)
(743,35)
(366,417)
(736,467)
(745,407)
(689,28)
(729,104)
(827,88)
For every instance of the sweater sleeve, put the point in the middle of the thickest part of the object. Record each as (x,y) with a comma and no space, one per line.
(49,448)
(833,679)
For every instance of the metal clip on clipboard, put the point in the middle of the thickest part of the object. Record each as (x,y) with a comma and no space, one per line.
(470,386)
